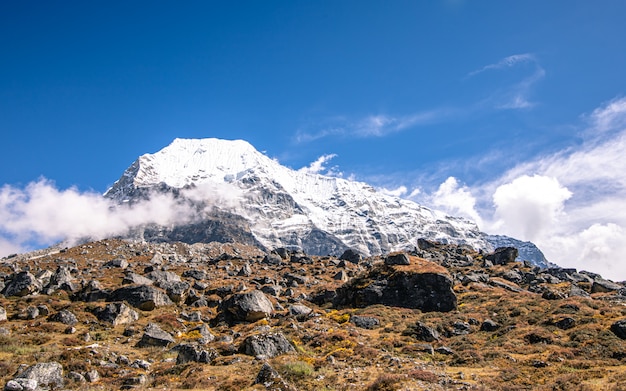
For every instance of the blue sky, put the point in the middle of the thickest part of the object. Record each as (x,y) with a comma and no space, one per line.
(445,102)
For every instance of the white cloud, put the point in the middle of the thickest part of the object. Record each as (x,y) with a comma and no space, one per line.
(40,214)
(528,206)
(397,192)
(319,165)
(456,200)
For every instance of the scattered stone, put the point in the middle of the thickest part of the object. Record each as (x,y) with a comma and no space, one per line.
(155,336)
(92,376)
(269,378)
(20,384)
(117,263)
(193,353)
(116,314)
(299,311)
(422,332)
(22,284)
(3,314)
(144,297)
(64,316)
(352,256)
(502,255)
(266,345)
(250,306)
(397,259)
(489,325)
(565,323)
(44,374)
(619,328)
(365,322)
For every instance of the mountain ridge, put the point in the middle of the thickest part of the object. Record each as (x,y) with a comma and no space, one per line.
(283,207)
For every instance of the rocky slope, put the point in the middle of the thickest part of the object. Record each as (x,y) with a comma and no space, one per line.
(237,192)
(119,314)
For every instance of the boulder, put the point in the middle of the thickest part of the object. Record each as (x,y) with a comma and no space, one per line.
(22,284)
(177,291)
(21,385)
(116,314)
(64,316)
(269,378)
(397,259)
(602,286)
(134,278)
(422,332)
(422,285)
(365,322)
(619,328)
(144,297)
(155,336)
(249,306)
(49,374)
(352,256)
(193,353)
(489,325)
(502,255)
(266,345)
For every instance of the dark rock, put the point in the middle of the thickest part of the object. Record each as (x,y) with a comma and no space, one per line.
(397,259)
(422,332)
(536,338)
(539,364)
(352,256)
(269,378)
(365,322)
(266,345)
(604,286)
(422,285)
(177,291)
(489,325)
(117,263)
(461,328)
(475,277)
(116,314)
(504,285)
(22,284)
(619,328)
(444,350)
(144,297)
(193,353)
(198,275)
(45,374)
(341,276)
(250,306)
(66,317)
(155,336)
(502,255)
(565,323)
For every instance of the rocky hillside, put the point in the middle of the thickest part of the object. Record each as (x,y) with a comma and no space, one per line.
(117,314)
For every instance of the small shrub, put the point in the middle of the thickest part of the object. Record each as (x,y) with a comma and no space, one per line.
(425,376)
(385,382)
(297,370)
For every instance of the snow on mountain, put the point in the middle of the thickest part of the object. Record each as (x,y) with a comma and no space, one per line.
(289,208)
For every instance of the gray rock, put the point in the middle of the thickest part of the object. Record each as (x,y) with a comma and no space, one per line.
(299,311)
(64,316)
(22,284)
(177,291)
(266,345)
(77,377)
(489,325)
(269,378)
(92,376)
(352,256)
(604,286)
(144,297)
(160,277)
(45,374)
(134,278)
(365,322)
(193,353)
(3,314)
(155,336)
(250,306)
(198,275)
(21,385)
(205,333)
(422,332)
(116,314)
(117,263)
(502,255)
(397,259)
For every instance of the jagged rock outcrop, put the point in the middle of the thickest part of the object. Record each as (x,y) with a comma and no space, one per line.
(22,284)
(422,285)
(116,314)
(155,336)
(266,345)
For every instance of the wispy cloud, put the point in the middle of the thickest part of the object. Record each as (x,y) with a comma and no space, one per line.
(371,126)
(517,95)
(506,62)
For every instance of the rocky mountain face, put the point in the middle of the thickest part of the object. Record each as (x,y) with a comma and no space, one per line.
(237,194)
(527,251)
(118,314)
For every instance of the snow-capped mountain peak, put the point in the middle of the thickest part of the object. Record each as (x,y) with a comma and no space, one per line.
(290,208)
